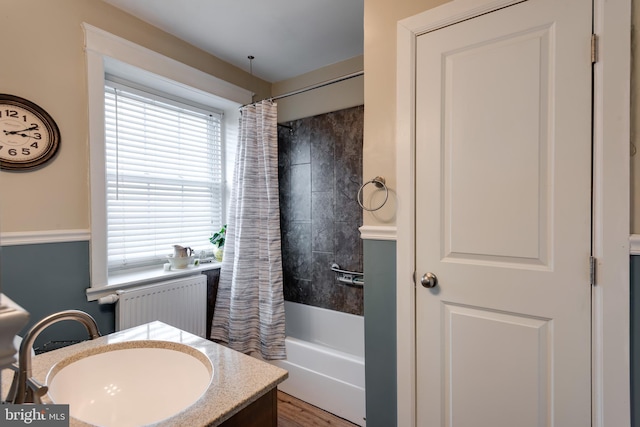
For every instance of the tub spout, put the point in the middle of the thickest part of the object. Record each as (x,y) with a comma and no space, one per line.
(24,389)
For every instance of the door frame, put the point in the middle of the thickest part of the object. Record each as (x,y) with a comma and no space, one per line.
(611,207)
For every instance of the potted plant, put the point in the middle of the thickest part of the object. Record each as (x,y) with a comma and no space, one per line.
(217,240)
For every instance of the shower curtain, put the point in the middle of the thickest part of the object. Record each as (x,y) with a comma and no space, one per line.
(249,310)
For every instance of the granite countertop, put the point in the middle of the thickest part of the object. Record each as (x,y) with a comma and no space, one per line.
(238,379)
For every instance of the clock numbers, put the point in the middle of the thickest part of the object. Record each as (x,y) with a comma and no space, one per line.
(25,151)
(15,114)
(11,113)
(29,137)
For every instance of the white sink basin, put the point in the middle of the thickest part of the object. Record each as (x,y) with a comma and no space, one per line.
(130,384)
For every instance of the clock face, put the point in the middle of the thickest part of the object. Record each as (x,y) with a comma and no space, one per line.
(28,135)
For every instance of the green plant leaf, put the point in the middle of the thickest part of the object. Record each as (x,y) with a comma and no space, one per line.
(218,238)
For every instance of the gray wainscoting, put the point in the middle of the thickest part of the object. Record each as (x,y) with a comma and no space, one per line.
(380,332)
(50,277)
(635,340)
(320,172)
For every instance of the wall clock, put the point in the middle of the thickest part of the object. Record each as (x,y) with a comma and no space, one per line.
(29,137)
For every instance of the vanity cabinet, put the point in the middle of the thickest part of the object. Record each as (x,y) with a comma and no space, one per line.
(261,413)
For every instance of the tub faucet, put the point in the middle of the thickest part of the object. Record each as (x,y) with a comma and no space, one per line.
(25,389)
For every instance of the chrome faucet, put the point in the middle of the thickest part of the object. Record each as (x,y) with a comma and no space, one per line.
(24,388)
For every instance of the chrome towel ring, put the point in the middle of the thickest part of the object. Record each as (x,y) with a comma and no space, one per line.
(379,182)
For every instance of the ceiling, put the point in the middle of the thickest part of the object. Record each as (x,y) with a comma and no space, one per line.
(287,37)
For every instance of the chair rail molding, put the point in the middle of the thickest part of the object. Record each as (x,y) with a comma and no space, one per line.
(634,244)
(378,232)
(13,238)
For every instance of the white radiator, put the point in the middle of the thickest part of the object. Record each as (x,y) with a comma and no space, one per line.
(180,302)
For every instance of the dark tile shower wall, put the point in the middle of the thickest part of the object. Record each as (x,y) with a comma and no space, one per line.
(320,172)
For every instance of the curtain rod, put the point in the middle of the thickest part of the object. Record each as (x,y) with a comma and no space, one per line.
(314,86)
(319,85)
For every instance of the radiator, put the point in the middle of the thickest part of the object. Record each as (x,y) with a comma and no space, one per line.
(180,302)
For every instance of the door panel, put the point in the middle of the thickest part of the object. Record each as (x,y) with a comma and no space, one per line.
(505,383)
(503,194)
(500,185)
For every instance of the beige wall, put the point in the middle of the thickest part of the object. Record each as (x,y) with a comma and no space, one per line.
(380,20)
(380,23)
(43,61)
(334,97)
(46,65)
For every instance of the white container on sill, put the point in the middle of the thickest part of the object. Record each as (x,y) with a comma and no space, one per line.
(180,262)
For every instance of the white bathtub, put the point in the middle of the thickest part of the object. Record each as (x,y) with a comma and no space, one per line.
(325,360)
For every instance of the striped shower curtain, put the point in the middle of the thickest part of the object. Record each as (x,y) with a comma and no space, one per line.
(249,310)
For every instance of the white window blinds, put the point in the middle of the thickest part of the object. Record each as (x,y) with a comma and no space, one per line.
(165,180)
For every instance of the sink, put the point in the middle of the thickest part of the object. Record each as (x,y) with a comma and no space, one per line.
(130,383)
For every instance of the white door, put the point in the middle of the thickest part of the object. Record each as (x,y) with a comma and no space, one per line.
(503,218)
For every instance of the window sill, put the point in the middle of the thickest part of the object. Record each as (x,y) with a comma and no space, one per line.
(146,276)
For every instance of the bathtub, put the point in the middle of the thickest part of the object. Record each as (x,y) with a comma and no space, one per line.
(325,360)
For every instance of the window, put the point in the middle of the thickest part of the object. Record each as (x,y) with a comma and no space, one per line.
(164,175)
(113,56)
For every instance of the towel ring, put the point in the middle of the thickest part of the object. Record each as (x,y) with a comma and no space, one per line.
(379,182)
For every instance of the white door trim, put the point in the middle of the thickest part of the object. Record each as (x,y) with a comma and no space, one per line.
(611,210)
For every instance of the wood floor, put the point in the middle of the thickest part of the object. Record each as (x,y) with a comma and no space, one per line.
(293,412)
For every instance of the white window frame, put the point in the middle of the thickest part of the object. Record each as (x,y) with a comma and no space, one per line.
(107,53)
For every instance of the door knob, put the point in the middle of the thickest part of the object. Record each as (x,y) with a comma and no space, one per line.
(429,280)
